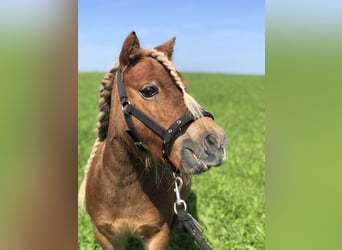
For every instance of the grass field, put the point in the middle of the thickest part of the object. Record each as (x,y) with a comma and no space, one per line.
(229,201)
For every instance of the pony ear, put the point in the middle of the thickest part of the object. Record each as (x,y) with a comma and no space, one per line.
(167,47)
(130,52)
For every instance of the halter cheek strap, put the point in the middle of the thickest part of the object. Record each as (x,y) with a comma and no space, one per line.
(168,135)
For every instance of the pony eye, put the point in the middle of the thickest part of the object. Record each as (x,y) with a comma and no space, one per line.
(149,91)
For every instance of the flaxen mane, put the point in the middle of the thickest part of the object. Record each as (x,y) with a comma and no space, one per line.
(102,124)
(105,102)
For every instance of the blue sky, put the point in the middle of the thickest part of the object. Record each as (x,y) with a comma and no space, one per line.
(212,36)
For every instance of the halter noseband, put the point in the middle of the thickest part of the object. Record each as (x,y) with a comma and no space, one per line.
(167,135)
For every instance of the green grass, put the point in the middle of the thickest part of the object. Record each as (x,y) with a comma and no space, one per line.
(229,201)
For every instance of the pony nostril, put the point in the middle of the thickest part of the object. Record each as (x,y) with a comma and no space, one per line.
(212,150)
(212,140)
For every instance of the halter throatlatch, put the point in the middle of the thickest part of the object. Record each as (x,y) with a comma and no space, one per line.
(167,135)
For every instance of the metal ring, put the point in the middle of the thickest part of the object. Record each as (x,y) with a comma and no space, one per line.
(178,203)
(124,106)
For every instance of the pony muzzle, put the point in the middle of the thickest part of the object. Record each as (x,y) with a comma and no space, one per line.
(199,156)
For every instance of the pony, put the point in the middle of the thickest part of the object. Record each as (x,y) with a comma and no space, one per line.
(150,132)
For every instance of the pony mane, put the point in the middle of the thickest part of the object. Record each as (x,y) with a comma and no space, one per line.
(101,126)
(104,102)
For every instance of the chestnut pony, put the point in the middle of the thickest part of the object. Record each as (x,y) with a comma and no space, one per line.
(149,131)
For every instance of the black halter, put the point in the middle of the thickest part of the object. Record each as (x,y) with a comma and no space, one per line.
(167,135)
